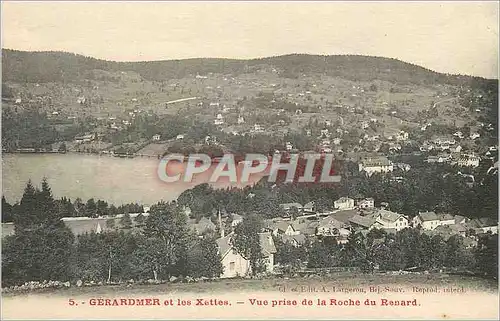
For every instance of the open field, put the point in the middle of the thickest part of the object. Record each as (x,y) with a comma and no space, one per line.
(344,296)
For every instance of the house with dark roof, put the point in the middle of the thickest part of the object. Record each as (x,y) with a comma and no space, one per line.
(446,219)
(344,216)
(204,225)
(294,240)
(459,219)
(483,225)
(280,227)
(366,203)
(303,226)
(359,222)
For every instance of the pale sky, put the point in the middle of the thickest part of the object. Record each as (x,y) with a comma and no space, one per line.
(453,37)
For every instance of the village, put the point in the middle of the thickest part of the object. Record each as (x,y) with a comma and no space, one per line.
(301,225)
(125,115)
(376,127)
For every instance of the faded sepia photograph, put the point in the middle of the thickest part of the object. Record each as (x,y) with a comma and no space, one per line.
(249,160)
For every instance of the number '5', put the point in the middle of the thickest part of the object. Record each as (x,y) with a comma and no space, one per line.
(71,302)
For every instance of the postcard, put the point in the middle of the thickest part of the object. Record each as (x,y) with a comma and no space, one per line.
(249,160)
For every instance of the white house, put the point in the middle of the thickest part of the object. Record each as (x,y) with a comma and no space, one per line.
(403,166)
(390,220)
(344,203)
(235,264)
(156,137)
(456,149)
(468,161)
(257,128)
(329,226)
(294,240)
(281,227)
(376,165)
(284,227)
(427,220)
(84,138)
(219,120)
(402,135)
(309,207)
(366,203)
(237,219)
(288,206)
(475,135)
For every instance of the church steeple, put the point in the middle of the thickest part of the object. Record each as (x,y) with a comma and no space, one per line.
(221,227)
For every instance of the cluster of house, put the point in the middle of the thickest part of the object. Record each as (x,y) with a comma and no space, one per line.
(378,164)
(381,164)
(349,216)
(462,160)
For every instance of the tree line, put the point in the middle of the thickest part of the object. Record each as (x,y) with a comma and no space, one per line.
(21,66)
(44,248)
(408,249)
(424,187)
(162,246)
(64,207)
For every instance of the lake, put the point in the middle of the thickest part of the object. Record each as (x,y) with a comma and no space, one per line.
(115,180)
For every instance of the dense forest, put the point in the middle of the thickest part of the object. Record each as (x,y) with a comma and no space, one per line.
(20,66)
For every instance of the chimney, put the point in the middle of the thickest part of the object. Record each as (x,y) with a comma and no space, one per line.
(221,227)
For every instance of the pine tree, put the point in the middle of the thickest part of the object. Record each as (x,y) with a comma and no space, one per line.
(126,221)
(42,245)
(139,220)
(91,208)
(48,213)
(6,211)
(25,215)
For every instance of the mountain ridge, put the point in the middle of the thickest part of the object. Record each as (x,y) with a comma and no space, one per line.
(53,66)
